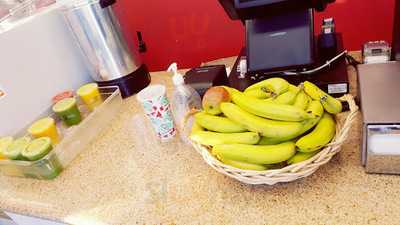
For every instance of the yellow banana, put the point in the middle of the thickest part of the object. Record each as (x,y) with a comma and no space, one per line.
(287,98)
(256,154)
(320,136)
(214,138)
(314,108)
(309,98)
(270,141)
(302,100)
(331,104)
(312,90)
(301,156)
(265,127)
(218,123)
(294,88)
(196,127)
(257,93)
(274,85)
(268,109)
(243,165)
(229,89)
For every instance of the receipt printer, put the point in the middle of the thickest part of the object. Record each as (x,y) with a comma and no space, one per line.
(202,78)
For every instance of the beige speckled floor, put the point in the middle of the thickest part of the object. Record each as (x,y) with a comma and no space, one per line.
(122,179)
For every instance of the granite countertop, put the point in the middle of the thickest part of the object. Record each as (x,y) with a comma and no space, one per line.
(124,179)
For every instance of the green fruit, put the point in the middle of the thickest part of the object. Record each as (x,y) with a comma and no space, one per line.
(213,138)
(244,165)
(14,150)
(301,156)
(37,149)
(68,111)
(256,154)
(322,134)
(265,127)
(268,109)
(218,123)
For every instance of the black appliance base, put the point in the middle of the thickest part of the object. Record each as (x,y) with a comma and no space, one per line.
(131,83)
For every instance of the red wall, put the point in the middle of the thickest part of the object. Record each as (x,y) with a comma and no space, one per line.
(194,31)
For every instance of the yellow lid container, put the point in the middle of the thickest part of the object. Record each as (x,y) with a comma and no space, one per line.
(90,95)
(45,127)
(4,143)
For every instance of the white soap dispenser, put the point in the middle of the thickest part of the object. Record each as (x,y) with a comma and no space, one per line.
(184,99)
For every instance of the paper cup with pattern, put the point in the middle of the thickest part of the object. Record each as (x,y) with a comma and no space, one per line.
(157,108)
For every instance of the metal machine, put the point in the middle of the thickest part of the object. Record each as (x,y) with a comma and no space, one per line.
(280,41)
(99,35)
(379,95)
(380,105)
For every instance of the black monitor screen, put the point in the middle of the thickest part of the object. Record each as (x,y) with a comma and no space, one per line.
(253,3)
(241,4)
(396,32)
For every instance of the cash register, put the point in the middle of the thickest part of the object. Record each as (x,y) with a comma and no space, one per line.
(280,41)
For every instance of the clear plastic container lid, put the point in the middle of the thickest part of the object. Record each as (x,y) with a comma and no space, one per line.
(72,4)
(17,12)
(6,5)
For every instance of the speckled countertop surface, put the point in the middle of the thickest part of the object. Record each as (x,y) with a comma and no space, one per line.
(123,179)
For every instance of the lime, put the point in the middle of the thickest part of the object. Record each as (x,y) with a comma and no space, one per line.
(41,126)
(64,105)
(16,147)
(68,111)
(37,149)
(87,89)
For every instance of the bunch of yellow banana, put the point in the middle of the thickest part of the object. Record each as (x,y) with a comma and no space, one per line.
(271,124)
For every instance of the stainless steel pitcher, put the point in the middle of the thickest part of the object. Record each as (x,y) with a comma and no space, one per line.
(98,32)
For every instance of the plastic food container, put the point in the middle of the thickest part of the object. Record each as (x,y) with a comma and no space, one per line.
(73,139)
(381,148)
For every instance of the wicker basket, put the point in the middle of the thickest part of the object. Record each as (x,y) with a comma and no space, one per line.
(291,172)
